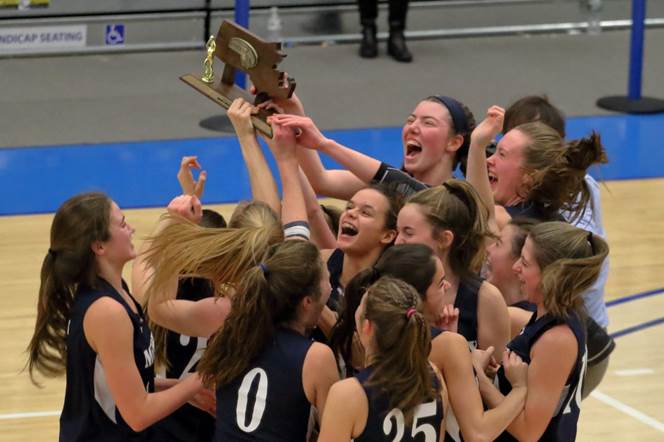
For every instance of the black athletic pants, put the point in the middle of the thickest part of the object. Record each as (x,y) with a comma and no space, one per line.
(397,15)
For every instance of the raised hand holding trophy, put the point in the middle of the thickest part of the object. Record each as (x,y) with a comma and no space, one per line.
(240,49)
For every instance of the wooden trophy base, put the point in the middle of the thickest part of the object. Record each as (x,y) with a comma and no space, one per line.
(224,95)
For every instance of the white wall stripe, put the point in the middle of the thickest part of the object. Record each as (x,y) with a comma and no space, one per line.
(636,414)
(29,415)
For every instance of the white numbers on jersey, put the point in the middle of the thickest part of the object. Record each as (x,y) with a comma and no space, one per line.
(148,354)
(243,400)
(201,345)
(399,419)
(422,411)
(576,396)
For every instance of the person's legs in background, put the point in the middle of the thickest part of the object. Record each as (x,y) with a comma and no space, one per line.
(396,43)
(368,14)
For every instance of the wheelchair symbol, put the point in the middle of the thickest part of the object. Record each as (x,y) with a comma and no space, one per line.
(115,34)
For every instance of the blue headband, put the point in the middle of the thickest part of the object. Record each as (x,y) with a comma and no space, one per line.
(456,111)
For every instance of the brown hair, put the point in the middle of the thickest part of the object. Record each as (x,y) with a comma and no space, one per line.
(558,169)
(456,206)
(267,295)
(220,255)
(332,215)
(394,202)
(412,263)
(570,260)
(523,227)
(403,341)
(534,108)
(69,264)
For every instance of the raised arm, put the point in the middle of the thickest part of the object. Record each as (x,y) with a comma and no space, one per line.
(476,172)
(335,183)
(293,210)
(188,184)
(321,235)
(263,186)
(192,318)
(140,274)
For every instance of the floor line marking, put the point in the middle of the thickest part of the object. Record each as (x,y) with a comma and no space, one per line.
(626,409)
(637,327)
(634,372)
(29,415)
(634,297)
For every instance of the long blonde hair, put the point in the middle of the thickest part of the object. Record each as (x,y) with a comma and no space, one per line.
(220,255)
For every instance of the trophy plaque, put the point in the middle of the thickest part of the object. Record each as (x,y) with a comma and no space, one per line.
(238,48)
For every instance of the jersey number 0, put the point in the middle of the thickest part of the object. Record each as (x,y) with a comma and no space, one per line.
(243,400)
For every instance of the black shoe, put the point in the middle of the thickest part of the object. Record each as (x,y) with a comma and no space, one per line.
(369,44)
(396,47)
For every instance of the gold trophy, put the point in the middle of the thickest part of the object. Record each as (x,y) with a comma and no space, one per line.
(208,71)
(240,49)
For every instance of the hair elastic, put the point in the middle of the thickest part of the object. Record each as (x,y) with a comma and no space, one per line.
(590,241)
(52,252)
(410,312)
(264,269)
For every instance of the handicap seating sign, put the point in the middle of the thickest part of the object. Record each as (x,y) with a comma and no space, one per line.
(42,37)
(115,34)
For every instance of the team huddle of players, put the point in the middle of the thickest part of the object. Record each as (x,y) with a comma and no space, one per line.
(430,308)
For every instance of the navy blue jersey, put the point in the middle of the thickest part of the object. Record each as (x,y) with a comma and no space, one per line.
(562,427)
(267,402)
(403,182)
(89,412)
(335,265)
(530,209)
(466,301)
(525,305)
(385,424)
(187,423)
(435,332)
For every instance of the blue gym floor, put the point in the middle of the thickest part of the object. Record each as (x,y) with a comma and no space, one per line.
(142,173)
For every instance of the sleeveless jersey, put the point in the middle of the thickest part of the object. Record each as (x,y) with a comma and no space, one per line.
(89,412)
(466,301)
(562,427)
(386,425)
(405,184)
(335,265)
(187,423)
(267,402)
(525,305)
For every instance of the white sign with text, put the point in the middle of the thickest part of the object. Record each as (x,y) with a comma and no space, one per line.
(44,37)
